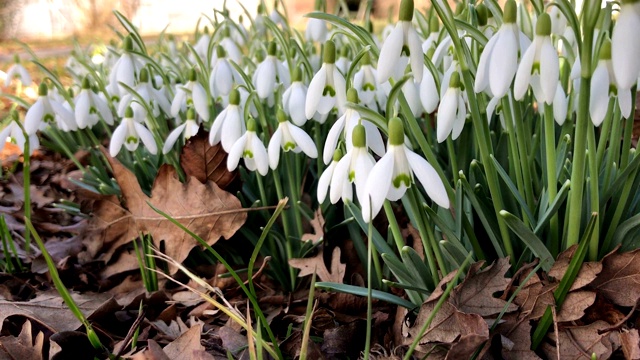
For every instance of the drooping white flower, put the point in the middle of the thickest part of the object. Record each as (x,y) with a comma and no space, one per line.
(560,105)
(327,175)
(191,92)
(327,88)
(187,130)
(223,76)
(202,45)
(17,71)
(344,60)
(429,96)
(499,59)
(625,45)
(394,174)
(91,107)
(403,41)
(269,73)
(129,133)
(371,94)
(411,92)
(345,126)
(558,21)
(452,111)
(289,137)
(316,30)
(432,39)
(230,46)
(47,110)
(14,134)
(251,149)
(540,66)
(294,97)
(229,125)
(144,92)
(604,89)
(124,71)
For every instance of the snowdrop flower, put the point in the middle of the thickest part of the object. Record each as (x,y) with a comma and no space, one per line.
(129,133)
(539,67)
(293,97)
(269,73)
(452,111)
(603,88)
(371,94)
(251,149)
(354,167)
(230,46)
(346,125)
(560,105)
(625,45)
(434,32)
(326,178)
(47,110)
(191,92)
(290,138)
(202,45)
(17,71)
(429,96)
(229,125)
(278,19)
(344,62)
(316,30)
(394,174)
(558,21)
(499,59)
(187,130)
(124,70)
(154,99)
(223,76)
(90,107)
(14,134)
(327,88)
(402,42)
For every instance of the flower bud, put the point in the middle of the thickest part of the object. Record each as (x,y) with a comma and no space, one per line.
(42,89)
(352,96)
(251,124)
(127,43)
(220,53)
(144,75)
(481,11)
(272,49)
(281,116)
(396,131)
(337,155)
(297,74)
(605,50)
(193,76)
(454,81)
(86,83)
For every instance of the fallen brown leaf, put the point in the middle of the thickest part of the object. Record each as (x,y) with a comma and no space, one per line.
(22,347)
(205,209)
(630,342)
(205,162)
(579,342)
(317,223)
(619,279)
(476,293)
(186,345)
(308,266)
(515,336)
(575,304)
(588,271)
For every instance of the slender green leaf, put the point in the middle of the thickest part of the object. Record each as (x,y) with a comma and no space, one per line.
(361,291)
(530,239)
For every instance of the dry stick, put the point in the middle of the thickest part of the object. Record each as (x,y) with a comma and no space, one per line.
(621,322)
(555,328)
(132,330)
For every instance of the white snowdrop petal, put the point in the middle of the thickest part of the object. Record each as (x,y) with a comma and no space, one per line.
(374,138)
(172,138)
(625,102)
(273,150)
(178,102)
(549,70)
(332,139)
(323,182)
(429,179)
(560,106)
(215,133)
(82,109)
(117,139)
(233,158)
(625,47)
(416,55)
(523,75)
(379,183)
(146,137)
(446,114)
(304,141)
(461,115)
(200,101)
(502,67)
(34,117)
(259,155)
(482,74)
(314,93)
(429,96)
(599,95)
(231,129)
(390,54)
(296,110)
(340,178)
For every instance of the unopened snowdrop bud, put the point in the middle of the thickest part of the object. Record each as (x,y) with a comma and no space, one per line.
(499,59)
(483,16)
(402,42)
(293,97)
(17,71)
(289,137)
(229,125)
(540,66)
(327,88)
(129,133)
(434,32)
(221,79)
(316,30)
(452,112)
(251,149)
(625,44)
(393,174)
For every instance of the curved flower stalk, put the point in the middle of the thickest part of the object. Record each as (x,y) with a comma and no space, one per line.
(251,149)
(91,107)
(394,174)
(47,110)
(129,133)
(499,59)
(539,67)
(625,45)
(371,94)
(270,73)
(293,97)
(345,125)
(316,30)
(403,42)
(354,167)
(17,71)
(229,125)
(191,92)
(289,137)
(604,88)
(187,130)
(154,99)
(125,70)
(13,133)
(327,88)
(223,76)
(452,112)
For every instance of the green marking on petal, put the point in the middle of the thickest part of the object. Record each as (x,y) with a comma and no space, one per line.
(48,118)
(247,154)
(132,140)
(405,51)
(369,87)
(400,179)
(289,146)
(329,90)
(535,68)
(352,176)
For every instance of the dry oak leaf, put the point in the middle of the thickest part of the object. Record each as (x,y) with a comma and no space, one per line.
(308,266)
(205,162)
(49,309)
(187,345)
(318,228)
(579,342)
(515,336)
(204,209)
(630,341)
(588,271)
(575,304)
(534,298)
(22,347)
(475,293)
(619,280)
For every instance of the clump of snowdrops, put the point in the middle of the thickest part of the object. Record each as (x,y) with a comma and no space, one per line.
(495,131)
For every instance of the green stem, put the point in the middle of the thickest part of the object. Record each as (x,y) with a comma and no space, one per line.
(524,149)
(285,225)
(453,159)
(606,131)
(289,158)
(367,345)
(431,251)
(26,175)
(552,177)
(594,194)
(628,133)
(317,133)
(516,161)
(614,148)
(393,224)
